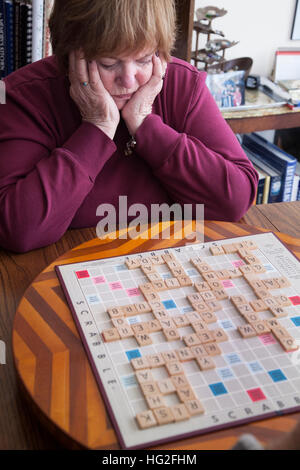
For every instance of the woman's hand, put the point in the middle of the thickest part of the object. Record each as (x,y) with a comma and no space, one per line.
(94,102)
(140,105)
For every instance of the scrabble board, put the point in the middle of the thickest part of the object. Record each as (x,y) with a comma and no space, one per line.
(187,340)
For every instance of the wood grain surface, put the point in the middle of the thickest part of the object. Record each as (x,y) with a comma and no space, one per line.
(53,370)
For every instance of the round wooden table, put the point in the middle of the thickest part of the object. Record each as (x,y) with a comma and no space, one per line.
(53,369)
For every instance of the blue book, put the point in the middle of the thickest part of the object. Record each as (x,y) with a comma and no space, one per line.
(276,158)
(9,36)
(260,186)
(2,40)
(275,189)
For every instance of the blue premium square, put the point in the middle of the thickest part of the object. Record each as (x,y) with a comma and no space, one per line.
(218,389)
(169,304)
(277,375)
(296,321)
(133,354)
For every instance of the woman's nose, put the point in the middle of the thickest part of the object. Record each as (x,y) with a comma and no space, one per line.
(127,76)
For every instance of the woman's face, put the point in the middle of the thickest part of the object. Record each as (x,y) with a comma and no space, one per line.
(124,75)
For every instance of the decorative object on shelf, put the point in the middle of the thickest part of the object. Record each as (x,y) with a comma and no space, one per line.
(209,54)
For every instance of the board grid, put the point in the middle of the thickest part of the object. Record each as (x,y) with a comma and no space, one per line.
(187,340)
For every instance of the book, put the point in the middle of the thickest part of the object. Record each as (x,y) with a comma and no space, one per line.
(272,192)
(48,6)
(2,40)
(17,41)
(9,36)
(37,29)
(296,187)
(293,89)
(264,187)
(276,158)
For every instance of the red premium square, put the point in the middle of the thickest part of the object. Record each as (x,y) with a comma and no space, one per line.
(295,300)
(256,394)
(82,274)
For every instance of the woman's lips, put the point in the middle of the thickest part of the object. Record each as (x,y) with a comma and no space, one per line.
(123,97)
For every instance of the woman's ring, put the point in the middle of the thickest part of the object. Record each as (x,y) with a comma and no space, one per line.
(84,83)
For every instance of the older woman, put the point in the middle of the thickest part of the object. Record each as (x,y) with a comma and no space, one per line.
(110,114)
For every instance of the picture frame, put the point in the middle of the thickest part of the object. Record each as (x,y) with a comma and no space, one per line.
(295,35)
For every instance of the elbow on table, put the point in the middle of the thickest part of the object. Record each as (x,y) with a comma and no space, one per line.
(22,242)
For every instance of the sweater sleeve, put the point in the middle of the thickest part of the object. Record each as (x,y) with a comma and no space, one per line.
(42,182)
(199,161)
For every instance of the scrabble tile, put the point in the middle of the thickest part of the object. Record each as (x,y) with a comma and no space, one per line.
(152,296)
(272,322)
(251,317)
(206,337)
(205,363)
(258,268)
(159,285)
(186,394)
(160,314)
(166,386)
(170,356)
(152,277)
(262,293)
(283,282)
(283,300)
(250,245)
(271,283)
(181,321)
(143,339)
(208,295)
(278,312)
(133,263)
(258,305)
(234,273)
(270,302)
(216,250)
(185,354)
(199,351)
(146,288)
(251,259)
(156,259)
(185,281)
(142,307)
(174,368)
(180,412)
(247,331)
(215,285)
(150,269)
(213,305)
(210,276)
(256,284)
(144,376)
(223,274)
(129,310)
(221,294)
(174,264)
(203,268)
(201,286)
(111,334)
(155,401)
(140,328)
(247,269)
(193,317)
(146,419)
(261,328)
(155,360)
(199,326)
(149,388)
(164,415)
(244,308)
(288,344)
(219,335)
(180,381)
(208,316)
(194,298)
(168,257)
(125,332)
(171,334)
(201,307)
(115,312)
(156,305)
(140,363)
(119,322)
(280,332)
(238,299)
(177,272)
(167,323)
(229,248)
(154,326)
(191,340)
(243,252)
(145,261)
(197,260)
(212,349)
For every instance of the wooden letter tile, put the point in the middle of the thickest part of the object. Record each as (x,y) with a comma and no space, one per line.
(115,312)
(185,354)
(247,331)
(186,394)
(111,334)
(212,349)
(166,386)
(140,363)
(155,360)
(146,419)
(154,401)
(206,363)
(171,334)
(143,339)
(144,376)
(174,368)
(180,412)
(164,415)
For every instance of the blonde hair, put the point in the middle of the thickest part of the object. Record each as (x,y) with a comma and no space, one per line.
(106,27)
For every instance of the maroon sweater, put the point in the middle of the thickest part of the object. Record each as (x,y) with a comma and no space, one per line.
(55,170)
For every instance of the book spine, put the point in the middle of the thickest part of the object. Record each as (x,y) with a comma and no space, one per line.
(9,35)
(47,42)
(2,41)
(17,43)
(277,158)
(28,32)
(295,188)
(266,190)
(37,29)
(275,193)
(260,191)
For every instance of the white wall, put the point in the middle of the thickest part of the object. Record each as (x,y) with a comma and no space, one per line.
(261,26)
